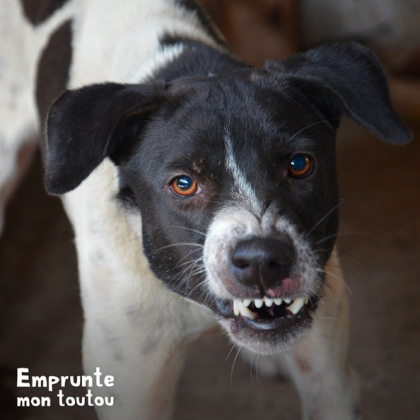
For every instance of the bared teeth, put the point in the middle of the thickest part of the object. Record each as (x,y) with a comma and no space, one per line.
(241,306)
(236,307)
(247,302)
(246,312)
(258,303)
(268,302)
(296,306)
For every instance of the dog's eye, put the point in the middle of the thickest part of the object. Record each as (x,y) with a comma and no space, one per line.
(183,186)
(301,165)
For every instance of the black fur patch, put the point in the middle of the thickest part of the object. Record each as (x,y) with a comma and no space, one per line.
(37,11)
(53,68)
(53,71)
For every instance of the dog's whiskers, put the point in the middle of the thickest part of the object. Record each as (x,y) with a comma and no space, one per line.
(184,228)
(326,238)
(186,256)
(195,287)
(358,259)
(233,367)
(336,207)
(179,244)
(126,242)
(311,125)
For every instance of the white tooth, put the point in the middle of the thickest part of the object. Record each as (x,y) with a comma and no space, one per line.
(306,300)
(296,306)
(268,301)
(287,300)
(258,303)
(245,311)
(277,301)
(235,307)
(246,302)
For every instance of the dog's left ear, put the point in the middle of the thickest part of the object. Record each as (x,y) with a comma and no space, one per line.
(88,124)
(344,78)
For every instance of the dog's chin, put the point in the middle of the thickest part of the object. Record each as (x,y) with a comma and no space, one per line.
(268,333)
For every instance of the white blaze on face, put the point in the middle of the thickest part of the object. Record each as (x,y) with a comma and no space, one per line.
(243,188)
(228,228)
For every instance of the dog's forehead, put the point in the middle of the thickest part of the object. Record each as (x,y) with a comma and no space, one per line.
(231,123)
(248,101)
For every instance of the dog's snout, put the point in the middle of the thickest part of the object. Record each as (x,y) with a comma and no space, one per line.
(263,261)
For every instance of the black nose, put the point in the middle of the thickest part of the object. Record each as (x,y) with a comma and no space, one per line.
(263,261)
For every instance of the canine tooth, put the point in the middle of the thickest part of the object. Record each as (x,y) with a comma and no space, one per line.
(245,311)
(306,300)
(277,301)
(287,300)
(246,302)
(258,303)
(296,306)
(236,307)
(268,301)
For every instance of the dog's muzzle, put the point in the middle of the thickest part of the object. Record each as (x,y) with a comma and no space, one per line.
(265,280)
(262,263)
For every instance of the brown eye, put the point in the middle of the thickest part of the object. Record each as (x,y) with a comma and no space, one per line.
(183,186)
(301,165)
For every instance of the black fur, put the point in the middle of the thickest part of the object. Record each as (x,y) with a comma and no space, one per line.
(38,11)
(53,68)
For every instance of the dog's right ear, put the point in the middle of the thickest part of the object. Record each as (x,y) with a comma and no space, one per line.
(88,124)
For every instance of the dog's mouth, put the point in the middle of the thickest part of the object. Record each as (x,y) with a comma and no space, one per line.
(276,315)
(271,314)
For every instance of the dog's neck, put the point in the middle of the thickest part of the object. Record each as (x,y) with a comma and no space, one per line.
(130,56)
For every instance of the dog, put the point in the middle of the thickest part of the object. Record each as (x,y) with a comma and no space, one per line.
(201,190)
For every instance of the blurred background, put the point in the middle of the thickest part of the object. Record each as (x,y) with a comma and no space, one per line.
(40,313)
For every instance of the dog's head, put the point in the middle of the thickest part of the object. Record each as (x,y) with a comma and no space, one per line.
(234,177)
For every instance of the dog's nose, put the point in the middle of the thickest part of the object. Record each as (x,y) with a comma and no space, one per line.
(263,261)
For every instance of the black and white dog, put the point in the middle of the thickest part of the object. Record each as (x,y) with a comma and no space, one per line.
(201,190)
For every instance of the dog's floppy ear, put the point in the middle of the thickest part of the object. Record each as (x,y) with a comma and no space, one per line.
(345,78)
(88,124)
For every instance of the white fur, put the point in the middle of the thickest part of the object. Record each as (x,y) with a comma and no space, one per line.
(243,188)
(118,41)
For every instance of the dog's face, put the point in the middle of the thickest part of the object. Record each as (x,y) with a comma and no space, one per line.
(234,195)
(234,177)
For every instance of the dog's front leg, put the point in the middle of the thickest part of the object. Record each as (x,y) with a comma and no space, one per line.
(145,385)
(142,345)
(145,380)
(327,384)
